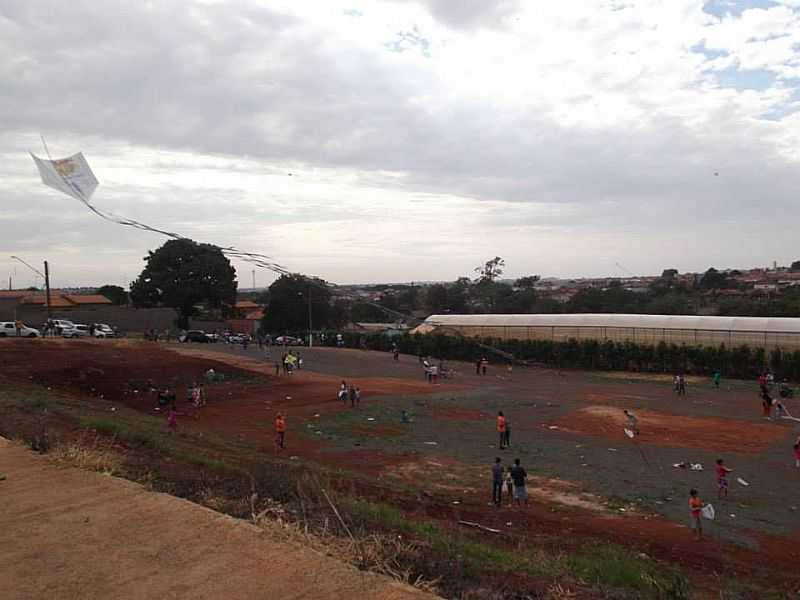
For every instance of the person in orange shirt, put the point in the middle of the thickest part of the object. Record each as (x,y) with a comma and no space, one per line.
(501,429)
(695,506)
(280,431)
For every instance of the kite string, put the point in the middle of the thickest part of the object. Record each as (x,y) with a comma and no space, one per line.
(260,260)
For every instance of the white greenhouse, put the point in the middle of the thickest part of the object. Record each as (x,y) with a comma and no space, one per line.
(755,332)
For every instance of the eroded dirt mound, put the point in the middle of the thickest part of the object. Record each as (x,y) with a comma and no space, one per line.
(664,429)
(84,535)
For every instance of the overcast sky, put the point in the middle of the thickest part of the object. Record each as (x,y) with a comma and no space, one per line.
(395,141)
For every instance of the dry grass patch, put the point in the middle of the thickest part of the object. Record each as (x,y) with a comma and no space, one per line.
(95,455)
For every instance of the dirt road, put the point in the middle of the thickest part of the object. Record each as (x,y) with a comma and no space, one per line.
(78,534)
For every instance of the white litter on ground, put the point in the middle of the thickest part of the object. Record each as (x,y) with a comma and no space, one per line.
(742,481)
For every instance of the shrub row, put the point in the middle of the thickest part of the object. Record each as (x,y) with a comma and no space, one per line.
(741,362)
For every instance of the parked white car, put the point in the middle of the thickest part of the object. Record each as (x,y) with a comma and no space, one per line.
(9,329)
(101,330)
(62,325)
(75,331)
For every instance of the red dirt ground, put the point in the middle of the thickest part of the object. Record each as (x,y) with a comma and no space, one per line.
(246,404)
(459,414)
(663,429)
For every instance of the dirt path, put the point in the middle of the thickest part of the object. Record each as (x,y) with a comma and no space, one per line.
(79,534)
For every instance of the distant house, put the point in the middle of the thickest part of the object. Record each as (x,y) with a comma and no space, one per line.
(34,303)
(250,316)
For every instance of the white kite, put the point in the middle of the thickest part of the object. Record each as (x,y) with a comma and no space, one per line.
(70,175)
(73,176)
(708,512)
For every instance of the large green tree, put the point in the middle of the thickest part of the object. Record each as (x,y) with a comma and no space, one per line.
(115,293)
(287,311)
(182,274)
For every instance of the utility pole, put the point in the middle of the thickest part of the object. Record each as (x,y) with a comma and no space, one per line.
(310,327)
(254,279)
(47,288)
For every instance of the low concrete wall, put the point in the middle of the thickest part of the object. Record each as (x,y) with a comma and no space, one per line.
(125,318)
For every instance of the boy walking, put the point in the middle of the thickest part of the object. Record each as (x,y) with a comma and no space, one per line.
(497,482)
(633,422)
(280,432)
(722,479)
(501,429)
(519,476)
(695,506)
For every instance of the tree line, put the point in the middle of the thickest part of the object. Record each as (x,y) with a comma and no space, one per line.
(192,277)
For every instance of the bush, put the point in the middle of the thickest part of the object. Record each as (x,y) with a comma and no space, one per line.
(740,362)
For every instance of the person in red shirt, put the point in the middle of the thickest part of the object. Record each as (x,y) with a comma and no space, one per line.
(797,453)
(501,429)
(722,479)
(280,431)
(695,506)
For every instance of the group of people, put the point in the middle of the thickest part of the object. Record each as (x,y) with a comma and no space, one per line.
(765,383)
(352,393)
(290,361)
(515,480)
(696,505)
(433,372)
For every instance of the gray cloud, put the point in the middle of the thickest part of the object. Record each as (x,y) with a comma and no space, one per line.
(471,14)
(238,81)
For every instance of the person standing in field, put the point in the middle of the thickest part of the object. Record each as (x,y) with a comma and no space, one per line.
(172,419)
(508,433)
(501,429)
(519,476)
(722,479)
(695,506)
(766,402)
(497,481)
(716,379)
(358,397)
(797,454)
(681,385)
(484,364)
(280,432)
(509,486)
(478,367)
(633,422)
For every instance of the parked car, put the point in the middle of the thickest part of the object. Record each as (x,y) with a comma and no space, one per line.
(61,325)
(101,330)
(195,335)
(77,330)
(287,340)
(237,338)
(9,329)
